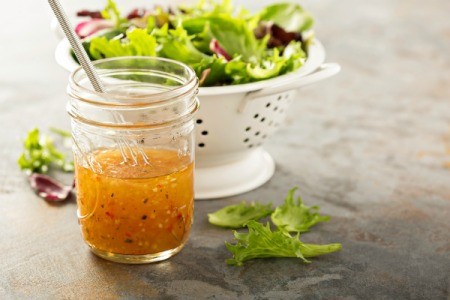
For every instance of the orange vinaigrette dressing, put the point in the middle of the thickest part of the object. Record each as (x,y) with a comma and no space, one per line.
(136,210)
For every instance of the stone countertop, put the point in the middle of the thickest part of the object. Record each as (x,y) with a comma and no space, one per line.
(370,146)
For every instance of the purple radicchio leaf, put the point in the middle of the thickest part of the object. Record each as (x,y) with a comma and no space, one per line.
(87,28)
(215,47)
(49,188)
(93,14)
(278,36)
(137,13)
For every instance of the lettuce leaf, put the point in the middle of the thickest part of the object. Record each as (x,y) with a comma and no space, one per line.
(272,64)
(137,43)
(209,8)
(111,12)
(290,16)
(176,44)
(40,153)
(211,70)
(237,38)
(296,217)
(261,242)
(236,216)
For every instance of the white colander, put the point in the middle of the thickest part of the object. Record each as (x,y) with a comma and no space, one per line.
(233,123)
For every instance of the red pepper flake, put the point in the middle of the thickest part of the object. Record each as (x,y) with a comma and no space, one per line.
(145,200)
(129,241)
(109,214)
(112,195)
(144,217)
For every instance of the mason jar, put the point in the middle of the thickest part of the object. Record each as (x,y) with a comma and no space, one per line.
(134,157)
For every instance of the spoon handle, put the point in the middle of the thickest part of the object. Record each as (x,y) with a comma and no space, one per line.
(77,47)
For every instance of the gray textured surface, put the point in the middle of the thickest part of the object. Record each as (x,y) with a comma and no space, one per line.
(371,147)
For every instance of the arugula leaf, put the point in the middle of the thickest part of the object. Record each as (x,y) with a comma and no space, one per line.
(290,16)
(261,242)
(236,216)
(296,217)
(137,43)
(39,153)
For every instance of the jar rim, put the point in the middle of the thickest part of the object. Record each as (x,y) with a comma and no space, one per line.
(141,99)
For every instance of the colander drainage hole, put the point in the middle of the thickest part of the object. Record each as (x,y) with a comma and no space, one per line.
(246,140)
(204,132)
(279,98)
(263,119)
(257,133)
(201,145)
(199,121)
(248,128)
(268,104)
(256,116)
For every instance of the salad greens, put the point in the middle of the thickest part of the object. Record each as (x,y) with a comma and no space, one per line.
(223,45)
(111,12)
(139,43)
(296,217)
(261,242)
(290,16)
(236,216)
(40,152)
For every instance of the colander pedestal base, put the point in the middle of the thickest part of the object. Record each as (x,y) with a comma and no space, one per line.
(235,177)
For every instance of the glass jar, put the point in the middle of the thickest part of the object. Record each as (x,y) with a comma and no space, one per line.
(134,157)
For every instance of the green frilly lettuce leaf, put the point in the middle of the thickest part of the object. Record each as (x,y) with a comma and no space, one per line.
(176,44)
(137,43)
(261,242)
(290,16)
(294,216)
(40,152)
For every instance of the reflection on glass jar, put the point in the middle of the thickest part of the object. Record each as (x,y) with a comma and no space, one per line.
(134,157)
